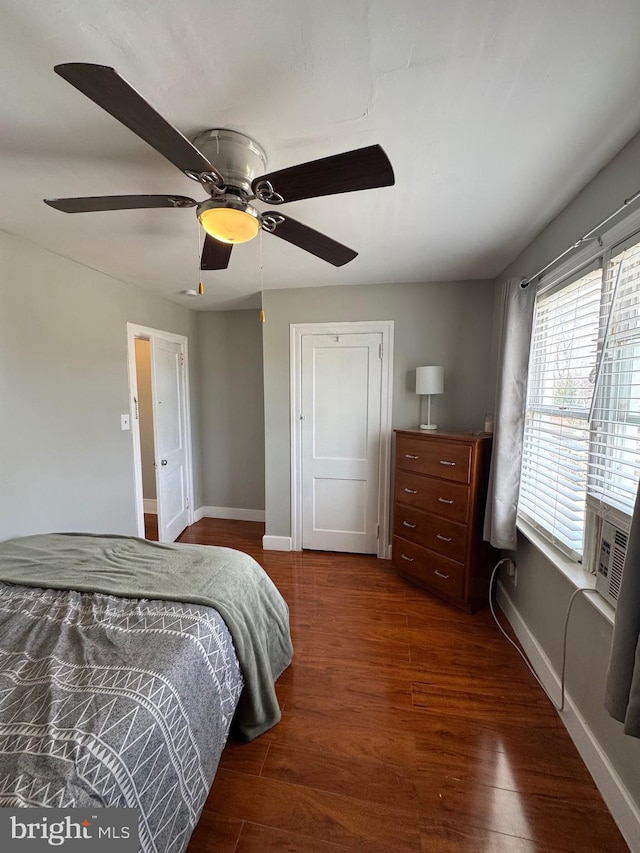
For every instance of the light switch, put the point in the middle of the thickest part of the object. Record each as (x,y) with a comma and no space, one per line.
(124,422)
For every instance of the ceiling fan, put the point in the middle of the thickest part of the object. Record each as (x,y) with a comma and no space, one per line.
(229,166)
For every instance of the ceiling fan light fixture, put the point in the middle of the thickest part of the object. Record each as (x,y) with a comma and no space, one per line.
(229,220)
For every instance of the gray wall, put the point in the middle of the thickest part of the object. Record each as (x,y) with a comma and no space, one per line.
(232,409)
(446,323)
(542,594)
(64,462)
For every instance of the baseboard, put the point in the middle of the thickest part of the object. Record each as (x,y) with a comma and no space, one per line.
(624,810)
(231,512)
(277,543)
(150,506)
(198,514)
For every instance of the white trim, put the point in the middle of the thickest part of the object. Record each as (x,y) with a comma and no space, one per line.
(297,330)
(198,514)
(134,331)
(150,506)
(231,512)
(624,810)
(277,543)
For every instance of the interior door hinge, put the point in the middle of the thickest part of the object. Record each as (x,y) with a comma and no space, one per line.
(379,350)
(181,360)
(377,531)
(135,403)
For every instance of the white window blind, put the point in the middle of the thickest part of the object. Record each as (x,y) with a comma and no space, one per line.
(562,368)
(582,421)
(614,462)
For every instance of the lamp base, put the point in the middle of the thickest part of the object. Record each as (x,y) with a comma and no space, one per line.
(428,426)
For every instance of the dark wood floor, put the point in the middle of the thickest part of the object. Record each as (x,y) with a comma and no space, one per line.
(151,526)
(406,726)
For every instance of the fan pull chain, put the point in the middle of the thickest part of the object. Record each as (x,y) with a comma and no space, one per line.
(200,284)
(262,314)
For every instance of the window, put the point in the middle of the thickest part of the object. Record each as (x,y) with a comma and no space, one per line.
(615,427)
(582,421)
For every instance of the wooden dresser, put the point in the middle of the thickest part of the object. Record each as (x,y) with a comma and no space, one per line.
(439,501)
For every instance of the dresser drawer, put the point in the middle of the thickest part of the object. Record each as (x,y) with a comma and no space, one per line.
(438,534)
(450,500)
(445,459)
(427,568)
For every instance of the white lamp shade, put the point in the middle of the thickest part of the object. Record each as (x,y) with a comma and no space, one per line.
(429,380)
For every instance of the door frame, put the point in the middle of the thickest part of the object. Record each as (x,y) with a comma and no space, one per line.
(134,331)
(297,331)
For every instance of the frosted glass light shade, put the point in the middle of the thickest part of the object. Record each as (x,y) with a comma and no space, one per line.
(229,224)
(429,380)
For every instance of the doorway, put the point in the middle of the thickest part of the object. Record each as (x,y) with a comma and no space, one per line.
(144,413)
(341,376)
(158,378)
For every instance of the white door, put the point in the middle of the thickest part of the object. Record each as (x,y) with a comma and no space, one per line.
(340,441)
(168,388)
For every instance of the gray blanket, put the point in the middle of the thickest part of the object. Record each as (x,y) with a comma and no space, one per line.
(230,581)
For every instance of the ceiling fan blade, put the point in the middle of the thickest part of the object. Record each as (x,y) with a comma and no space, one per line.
(215,254)
(362,169)
(105,87)
(306,238)
(91,204)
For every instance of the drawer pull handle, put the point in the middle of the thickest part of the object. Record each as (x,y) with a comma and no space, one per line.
(443,538)
(409,456)
(408,524)
(441,574)
(412,491)
(408,559)
(444,462)
(444,501)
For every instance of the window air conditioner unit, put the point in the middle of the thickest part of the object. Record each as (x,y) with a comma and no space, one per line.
(610,555)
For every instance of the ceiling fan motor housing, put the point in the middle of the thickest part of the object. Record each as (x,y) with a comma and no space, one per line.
(235,155)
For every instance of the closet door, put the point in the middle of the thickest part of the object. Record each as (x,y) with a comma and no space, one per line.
(341,396)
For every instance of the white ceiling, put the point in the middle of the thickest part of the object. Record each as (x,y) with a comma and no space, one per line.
(494,113)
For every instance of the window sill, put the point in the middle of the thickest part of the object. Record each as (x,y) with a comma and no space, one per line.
(573,572)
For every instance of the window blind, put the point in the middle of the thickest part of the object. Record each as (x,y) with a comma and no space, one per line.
(562,367)
(614,462)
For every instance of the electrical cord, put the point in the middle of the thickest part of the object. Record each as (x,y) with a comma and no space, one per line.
(559,707)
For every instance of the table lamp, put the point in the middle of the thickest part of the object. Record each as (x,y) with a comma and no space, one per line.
(429,380)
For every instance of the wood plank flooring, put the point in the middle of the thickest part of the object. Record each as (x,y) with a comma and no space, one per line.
(407,726)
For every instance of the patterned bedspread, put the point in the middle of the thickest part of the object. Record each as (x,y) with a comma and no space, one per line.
(98,706)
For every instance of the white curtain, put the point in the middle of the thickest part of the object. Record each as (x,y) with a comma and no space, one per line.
(504,479)
(622,696)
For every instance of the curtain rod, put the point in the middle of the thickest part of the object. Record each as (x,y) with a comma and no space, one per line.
(590,235)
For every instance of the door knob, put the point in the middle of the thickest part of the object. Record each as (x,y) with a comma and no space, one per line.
(164,462)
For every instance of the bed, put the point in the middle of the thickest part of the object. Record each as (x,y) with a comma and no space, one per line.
(124,664)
